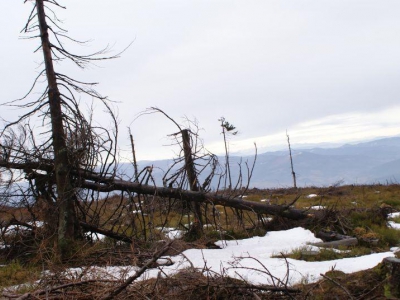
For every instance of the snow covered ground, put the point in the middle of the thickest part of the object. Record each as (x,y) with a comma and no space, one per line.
(254,260)
(251,259)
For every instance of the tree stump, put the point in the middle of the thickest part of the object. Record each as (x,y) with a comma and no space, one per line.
(392,265)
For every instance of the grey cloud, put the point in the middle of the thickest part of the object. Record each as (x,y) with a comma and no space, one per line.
(264,65)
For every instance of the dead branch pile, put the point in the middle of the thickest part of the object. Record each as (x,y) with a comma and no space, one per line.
(191,284)
(188,283)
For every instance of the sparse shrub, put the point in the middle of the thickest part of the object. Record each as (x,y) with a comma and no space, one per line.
(385,237)
(390,236)
(367,218)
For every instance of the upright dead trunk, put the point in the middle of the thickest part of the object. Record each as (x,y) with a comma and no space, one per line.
(227,166)
(134,157)
(67,223)
(193,182)
(291,163)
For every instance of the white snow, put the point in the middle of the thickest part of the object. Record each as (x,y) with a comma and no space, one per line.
(252,260)
(394,215)
(96,236)
(317,207)
(395,249)
(393,225)
(172,233)
(15,228)
(312,196)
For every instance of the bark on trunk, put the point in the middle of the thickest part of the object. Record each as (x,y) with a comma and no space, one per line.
(291,163)
(200,197)
(197,226)
(67,224)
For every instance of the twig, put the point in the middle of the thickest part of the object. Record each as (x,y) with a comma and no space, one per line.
(138,273)
(338,284)
(373,289)
(48,290)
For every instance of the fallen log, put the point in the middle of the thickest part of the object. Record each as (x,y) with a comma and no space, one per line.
(202,197)
(328,236)
(335,244)
(97,182)
(108,233)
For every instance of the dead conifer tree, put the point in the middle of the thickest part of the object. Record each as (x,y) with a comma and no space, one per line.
(227,128)
(67,224)
(135,166)
(69,140)
(291,162)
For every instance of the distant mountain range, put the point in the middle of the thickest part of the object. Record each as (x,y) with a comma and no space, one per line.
(377,161)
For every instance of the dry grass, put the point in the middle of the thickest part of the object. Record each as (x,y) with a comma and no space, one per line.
(368,284)
(15,273)
(353,210)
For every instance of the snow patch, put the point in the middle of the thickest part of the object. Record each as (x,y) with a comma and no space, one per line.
(394,215)
(393,225)
(242,258)
(172,233)
(318,207)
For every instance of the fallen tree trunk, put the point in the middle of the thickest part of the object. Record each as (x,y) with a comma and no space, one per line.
(336,244)
(214,199)
(108,233)
(94,181)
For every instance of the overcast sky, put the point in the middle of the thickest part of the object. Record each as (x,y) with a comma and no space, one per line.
(327,71)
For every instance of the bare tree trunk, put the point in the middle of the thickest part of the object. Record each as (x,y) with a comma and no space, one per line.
(192,178)
(134,156)
(227,166)
(291,162)
(67,224)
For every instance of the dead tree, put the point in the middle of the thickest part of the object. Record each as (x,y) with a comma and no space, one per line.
(68,228)
(107,216)
(93,181)
(78,164)
(193,181)
(291,162)
(71,141)
(134,156)
(187,171)
(227,128)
